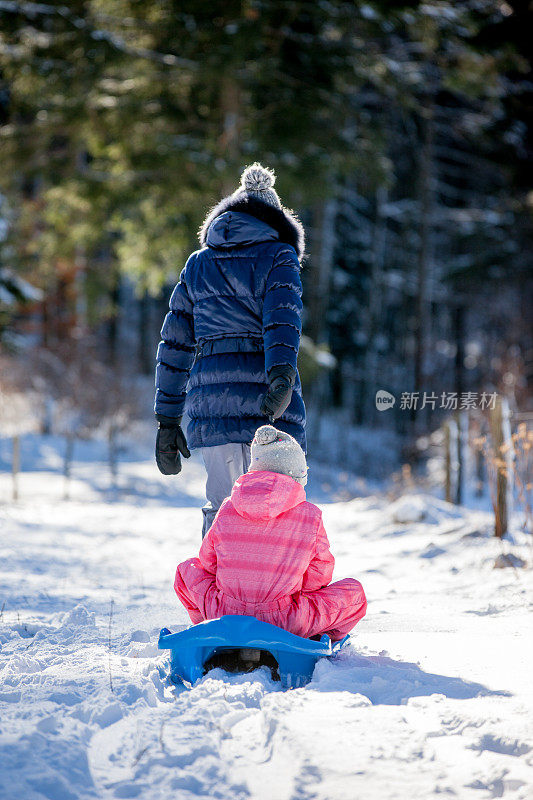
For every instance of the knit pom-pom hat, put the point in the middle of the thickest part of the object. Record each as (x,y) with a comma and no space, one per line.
(258,181)
(277,451)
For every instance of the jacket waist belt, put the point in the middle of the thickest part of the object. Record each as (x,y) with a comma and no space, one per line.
(249,608)
(230,344)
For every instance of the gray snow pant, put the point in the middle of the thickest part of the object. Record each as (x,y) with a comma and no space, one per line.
(224,464)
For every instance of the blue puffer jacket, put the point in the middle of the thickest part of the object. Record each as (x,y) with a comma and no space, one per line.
(237,308)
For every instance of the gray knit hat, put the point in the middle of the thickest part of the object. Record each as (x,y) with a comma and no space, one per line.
(277,451)
(258,182)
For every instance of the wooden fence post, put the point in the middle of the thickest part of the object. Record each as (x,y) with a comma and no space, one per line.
(451,445)
(480,471)
(500,426)
(447,463)
(462,438)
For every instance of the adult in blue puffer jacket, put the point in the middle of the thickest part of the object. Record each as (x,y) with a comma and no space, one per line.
(235,313)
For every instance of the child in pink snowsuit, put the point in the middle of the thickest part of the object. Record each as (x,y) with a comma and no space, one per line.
(267,554)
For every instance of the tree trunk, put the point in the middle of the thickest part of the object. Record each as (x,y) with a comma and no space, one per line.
(80,264)
(423,299)
(320,268)
(229,142)
(459,334)
(15,467)
(114,314)
(67,465)
(146,356)
(112,454)
(45,320)
(374,321)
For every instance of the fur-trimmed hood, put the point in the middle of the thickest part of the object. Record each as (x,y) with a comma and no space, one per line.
(285,222)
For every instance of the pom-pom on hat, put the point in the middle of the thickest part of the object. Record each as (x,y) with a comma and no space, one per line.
(258,181)
(277,451)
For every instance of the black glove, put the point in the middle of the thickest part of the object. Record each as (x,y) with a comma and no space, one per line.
(279,394)
(170,442)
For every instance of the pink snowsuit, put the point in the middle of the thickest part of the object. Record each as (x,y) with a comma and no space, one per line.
(267,555)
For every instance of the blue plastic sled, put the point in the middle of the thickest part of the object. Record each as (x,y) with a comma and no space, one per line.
(241,644)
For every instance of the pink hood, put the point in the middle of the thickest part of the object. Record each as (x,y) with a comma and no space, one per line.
(265,495)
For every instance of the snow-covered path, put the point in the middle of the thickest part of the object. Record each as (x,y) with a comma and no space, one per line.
(433,696)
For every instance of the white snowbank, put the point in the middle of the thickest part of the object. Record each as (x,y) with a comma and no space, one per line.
(422,508)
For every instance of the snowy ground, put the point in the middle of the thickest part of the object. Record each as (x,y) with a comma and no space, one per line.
(433,696)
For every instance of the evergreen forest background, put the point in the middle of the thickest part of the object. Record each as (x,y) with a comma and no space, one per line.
(400,132)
